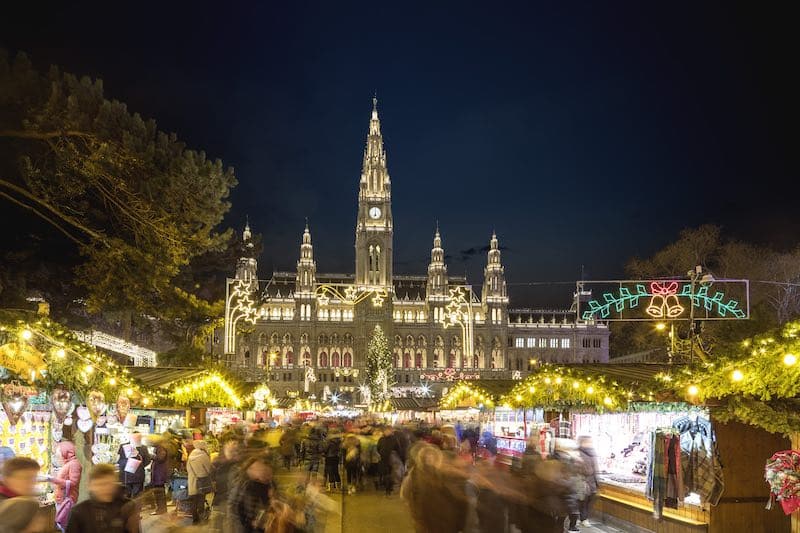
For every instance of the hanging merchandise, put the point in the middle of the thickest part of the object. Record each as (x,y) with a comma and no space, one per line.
(664,478)
(123,406)
(14,398)
(782,472)
(85,421)
(61,402)
(96,402)
(702,468)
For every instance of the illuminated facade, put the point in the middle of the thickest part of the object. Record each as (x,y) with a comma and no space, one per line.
(306,319)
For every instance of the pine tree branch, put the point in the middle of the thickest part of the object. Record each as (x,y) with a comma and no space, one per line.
(66,218)
(44,217)
(42,136)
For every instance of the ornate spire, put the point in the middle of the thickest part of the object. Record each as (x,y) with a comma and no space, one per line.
(437,270)
(306,267)
(374,174)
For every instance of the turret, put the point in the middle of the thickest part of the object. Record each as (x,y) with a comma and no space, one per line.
(306,266)
(437,270)
(495,297)
(247,266)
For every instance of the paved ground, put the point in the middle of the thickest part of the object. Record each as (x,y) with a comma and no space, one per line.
(365,512)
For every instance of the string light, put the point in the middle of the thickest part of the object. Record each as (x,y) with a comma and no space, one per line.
(112,381)
(693,390)
(789,359)
(590,390)
(737,375)
(26,334)
(61,353)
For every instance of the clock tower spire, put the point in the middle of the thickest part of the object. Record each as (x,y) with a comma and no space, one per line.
(374,225)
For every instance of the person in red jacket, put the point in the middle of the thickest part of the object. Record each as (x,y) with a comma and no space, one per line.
(67,483)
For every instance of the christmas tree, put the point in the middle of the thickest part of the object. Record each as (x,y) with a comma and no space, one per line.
(380,375)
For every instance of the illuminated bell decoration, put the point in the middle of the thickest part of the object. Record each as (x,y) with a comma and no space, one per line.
(15,401)
(664,300)
(96,402)
(61,401)
(123,406)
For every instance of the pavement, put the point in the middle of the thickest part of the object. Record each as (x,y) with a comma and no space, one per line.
(367,512)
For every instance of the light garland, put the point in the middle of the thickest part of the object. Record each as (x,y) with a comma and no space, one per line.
(211,389)
(562,387)
(477,396)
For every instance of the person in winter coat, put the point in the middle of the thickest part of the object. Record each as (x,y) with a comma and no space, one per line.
(160,476)
(389,450)
(286,446)
(133,482)
(352,461)
(252,502)
(107,510)
(333,452)
(198,466)
(67,483)
(21,515)
(590,469)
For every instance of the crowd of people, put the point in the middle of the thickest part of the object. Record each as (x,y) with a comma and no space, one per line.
(446,475)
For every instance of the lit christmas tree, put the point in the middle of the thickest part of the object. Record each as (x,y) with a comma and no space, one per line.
(379,366)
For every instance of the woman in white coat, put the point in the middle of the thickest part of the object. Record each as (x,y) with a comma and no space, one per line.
(199,468)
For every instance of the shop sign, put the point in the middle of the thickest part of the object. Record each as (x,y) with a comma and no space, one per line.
(22,359)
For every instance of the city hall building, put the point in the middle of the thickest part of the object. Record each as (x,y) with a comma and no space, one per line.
(307,332)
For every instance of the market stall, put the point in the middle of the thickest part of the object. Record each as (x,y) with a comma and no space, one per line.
(633,433)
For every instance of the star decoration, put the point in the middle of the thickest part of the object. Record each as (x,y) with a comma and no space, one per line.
(323,300)
(350,293)
(377,301)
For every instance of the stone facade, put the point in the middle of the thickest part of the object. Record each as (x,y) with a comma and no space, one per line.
(307,319)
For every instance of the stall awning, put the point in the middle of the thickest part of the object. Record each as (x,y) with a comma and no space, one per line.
(164,376)
(414,404)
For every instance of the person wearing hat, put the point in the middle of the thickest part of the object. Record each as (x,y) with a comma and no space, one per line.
(199,468)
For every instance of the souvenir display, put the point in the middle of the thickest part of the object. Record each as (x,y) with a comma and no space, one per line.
(14,399)
(96,402)
(29,435)
(61,401)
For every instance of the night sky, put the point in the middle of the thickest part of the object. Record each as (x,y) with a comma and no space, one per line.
(584,133)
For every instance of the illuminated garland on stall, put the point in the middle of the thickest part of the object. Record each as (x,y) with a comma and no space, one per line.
(477,396)
(210,389)
(48,356)
(70,363)
(755,384)
(553,387)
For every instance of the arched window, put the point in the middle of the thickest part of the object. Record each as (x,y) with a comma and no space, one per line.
(289,358)
(418,360)
(348,359)
(264,358)
(451,361)
(323,360)
(306,358)
(407,360)
(336,359)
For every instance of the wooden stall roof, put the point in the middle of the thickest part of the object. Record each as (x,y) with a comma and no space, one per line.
(163,376)
(414,404)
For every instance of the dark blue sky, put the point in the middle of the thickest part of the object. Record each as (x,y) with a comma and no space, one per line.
(585,133)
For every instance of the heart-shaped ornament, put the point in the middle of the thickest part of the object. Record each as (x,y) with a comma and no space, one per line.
(96,402)
(14,400)
(85,424)
(61,402)
(123,406)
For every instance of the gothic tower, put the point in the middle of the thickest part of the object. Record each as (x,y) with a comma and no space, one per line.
(374,224)
(306,266)
(495,297)
(246,266)
(437,270)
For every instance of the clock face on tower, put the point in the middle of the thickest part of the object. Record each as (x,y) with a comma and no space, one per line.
(375,212)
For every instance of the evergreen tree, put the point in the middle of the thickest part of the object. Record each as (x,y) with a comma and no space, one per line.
(380,374)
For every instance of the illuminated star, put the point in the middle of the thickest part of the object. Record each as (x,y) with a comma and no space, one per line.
(323,300)
(377,301)
(350,292)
